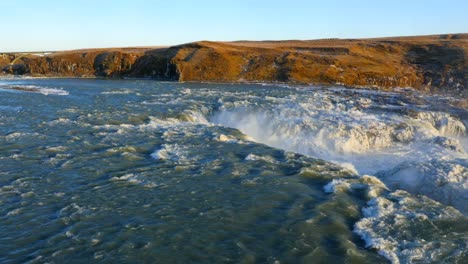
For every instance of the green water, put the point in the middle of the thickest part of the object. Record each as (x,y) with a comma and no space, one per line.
(131,171)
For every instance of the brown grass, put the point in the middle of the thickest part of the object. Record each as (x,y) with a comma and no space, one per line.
(424,62)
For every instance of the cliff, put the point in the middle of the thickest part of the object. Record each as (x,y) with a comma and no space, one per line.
(429,63)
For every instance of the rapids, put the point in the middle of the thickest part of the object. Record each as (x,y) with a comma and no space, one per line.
(144,171)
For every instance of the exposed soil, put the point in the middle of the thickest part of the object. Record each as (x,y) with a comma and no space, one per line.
(429,63)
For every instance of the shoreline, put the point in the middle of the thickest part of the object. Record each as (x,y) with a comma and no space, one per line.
(444,91)
(425,63)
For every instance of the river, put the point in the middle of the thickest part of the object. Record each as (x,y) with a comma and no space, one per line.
(138,171)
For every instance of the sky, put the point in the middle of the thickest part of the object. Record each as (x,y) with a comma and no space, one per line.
(35,25)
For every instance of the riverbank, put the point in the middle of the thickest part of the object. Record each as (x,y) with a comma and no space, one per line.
(428,63)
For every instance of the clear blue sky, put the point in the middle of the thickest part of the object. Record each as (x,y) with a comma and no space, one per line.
(61,24)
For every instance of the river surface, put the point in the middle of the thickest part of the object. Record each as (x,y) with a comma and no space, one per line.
(139,171)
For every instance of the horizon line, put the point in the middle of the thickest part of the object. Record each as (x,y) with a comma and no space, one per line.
(232,41)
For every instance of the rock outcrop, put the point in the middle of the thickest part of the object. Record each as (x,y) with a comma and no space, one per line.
(430,63)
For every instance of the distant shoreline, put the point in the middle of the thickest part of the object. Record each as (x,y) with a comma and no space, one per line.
(427,63)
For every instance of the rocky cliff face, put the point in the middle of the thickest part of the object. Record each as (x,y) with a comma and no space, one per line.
(73,64)
(430,63)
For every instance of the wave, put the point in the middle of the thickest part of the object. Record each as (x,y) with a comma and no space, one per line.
(422,152)
(410,154)
(118,92)
(10,108)
(406,148)
(406,229)
(402,227)
(34,89)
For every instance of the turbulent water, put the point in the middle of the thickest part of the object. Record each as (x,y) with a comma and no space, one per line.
(142,171)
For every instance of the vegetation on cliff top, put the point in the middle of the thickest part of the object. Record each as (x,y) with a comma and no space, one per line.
(427,63)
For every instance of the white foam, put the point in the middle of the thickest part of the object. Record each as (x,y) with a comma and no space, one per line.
(14,212)
(389,220)
(349,166)
(188,117)
(61,121)
(135,180)
(125,91)
(171,152)
(35,89)
(337,184)
(10,108)
(265,158)
(15,135)
(444,181)
(186,91)
(47,91)
(444,123)
(195,117)
(348,131)
(161,154)
(226,138)
(374,187)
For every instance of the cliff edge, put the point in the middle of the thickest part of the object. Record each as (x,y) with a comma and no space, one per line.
(428,63)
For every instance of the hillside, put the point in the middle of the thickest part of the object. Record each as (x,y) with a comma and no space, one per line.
(427,63)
